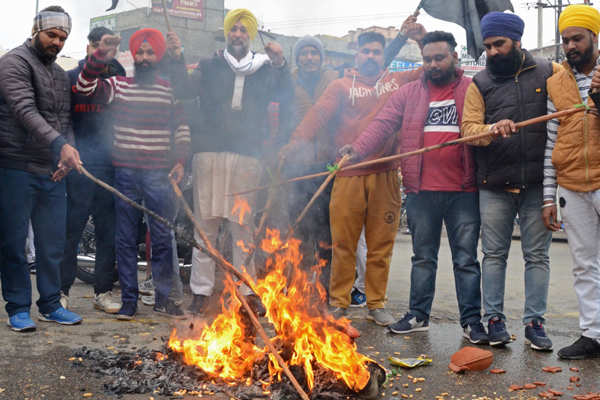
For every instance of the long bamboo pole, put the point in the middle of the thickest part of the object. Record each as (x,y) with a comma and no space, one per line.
(395,157)
(167,20)
(228,268)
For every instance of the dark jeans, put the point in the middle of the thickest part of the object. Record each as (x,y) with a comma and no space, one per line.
(25,196)
(84,197)
(153,187)
(459,211)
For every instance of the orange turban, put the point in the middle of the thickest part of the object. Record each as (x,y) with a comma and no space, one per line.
(154,37)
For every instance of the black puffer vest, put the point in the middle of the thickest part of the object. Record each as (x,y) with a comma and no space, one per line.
(516,162)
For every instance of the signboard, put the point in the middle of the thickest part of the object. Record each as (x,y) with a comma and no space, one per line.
(191,9)
(107,21)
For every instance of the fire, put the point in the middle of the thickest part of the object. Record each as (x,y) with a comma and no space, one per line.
(309,338)
(241,208)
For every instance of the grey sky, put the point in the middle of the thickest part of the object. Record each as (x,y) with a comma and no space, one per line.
(334,17)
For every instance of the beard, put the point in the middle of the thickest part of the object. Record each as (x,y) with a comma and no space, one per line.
(440,77)
(238,49)
(504,65)
(145,73)
(578,60)
(369,68)
(48,54)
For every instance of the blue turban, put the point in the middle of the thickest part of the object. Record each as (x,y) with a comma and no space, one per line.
(502,24)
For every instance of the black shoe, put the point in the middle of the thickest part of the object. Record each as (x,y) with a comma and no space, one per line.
(256,305)
(127,311)
(476,334)
(497,332)
(32,267)
(169,308)
(583,348)
(408,324)
(536,336)
(199,303)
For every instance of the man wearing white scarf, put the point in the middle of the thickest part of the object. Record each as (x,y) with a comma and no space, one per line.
(231,138)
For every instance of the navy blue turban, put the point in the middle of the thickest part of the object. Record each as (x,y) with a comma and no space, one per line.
(502,24)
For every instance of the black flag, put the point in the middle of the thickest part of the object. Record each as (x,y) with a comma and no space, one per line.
(114,5)
(468,14)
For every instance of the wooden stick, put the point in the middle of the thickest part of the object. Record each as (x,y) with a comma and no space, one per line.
(395,157)
(324,185)
(167,20)
(127,199)
(228,268)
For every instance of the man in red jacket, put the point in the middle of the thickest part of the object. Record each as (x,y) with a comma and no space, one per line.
(440,185)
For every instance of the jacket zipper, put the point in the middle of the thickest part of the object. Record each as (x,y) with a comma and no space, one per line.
(522,139)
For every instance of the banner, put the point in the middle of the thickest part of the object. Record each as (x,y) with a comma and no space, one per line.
(191,9)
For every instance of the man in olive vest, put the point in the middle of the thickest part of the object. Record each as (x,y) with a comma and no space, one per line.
(573,163)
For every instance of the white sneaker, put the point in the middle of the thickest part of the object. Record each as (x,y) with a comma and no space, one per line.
(148,300)
(146,287)
(105,302)
(64,301)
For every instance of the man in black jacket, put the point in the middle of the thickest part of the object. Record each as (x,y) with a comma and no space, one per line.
(92,125)
(510,172)
(35,126)
(231,137)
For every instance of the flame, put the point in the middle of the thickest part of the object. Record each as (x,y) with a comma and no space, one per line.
(241,208)
(309,338)
(242,245)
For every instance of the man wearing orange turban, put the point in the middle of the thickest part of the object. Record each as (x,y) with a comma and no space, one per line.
(572,168)
(150,142)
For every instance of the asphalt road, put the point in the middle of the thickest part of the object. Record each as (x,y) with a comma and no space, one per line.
(37,365)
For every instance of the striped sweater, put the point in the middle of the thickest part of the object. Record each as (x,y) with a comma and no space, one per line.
(149,128)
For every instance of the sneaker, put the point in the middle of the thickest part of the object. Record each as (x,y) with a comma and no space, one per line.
(584,347)
(409,323)
(149,300)
(61,316)
(32,267)
(338,312)
(146,287)
(21,322)
(64,300)
(358,298)
(127,311)
(199,303)
(497,332)
(536,337)
(105,302)
(476,334)
(169,308)
(380,316)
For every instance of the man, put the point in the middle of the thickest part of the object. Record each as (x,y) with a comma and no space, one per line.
(440,185)
(231,139)
(368,197)
(150,135)
(509,172)
(573,162)
(35,127)
(310,82)
(92,124)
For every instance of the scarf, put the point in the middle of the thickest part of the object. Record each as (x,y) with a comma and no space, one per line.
(248,65)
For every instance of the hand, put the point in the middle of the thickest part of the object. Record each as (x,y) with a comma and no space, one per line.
(275,53)
(177,173)
(550,217)
(504,128)
(69,159)
(174,46)
(348,150)
(412,29)
(109,46)
(596,80)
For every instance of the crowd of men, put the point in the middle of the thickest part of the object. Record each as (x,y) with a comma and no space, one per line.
(135,134)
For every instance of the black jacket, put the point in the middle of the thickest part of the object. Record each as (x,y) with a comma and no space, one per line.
(518,161)
(35,111)
(218,128)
